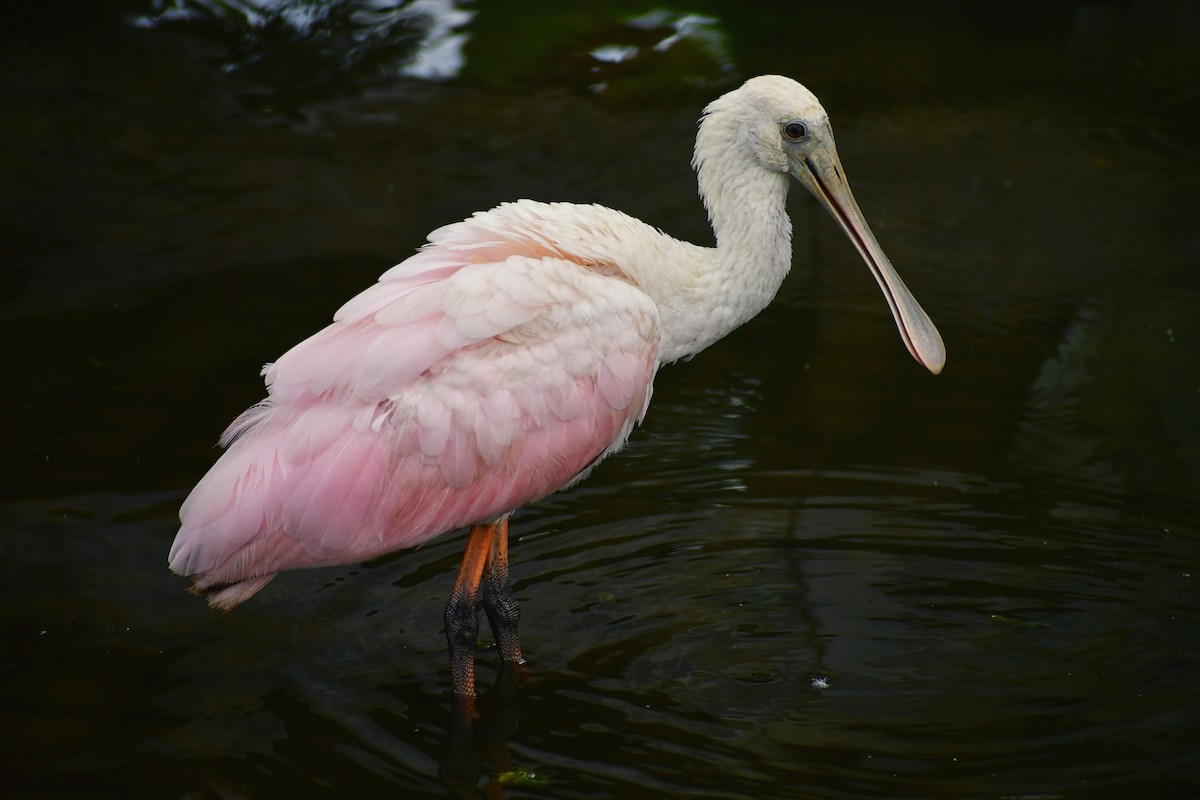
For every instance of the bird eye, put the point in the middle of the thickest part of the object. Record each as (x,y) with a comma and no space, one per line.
(795,131)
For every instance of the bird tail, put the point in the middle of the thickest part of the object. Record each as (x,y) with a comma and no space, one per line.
(298,487)
(224,596)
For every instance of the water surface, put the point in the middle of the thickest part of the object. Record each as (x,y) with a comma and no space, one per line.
(992,570)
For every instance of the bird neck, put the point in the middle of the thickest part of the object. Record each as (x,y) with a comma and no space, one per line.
(729,284)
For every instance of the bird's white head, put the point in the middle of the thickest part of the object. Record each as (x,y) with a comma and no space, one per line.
(756,120)
(772,124)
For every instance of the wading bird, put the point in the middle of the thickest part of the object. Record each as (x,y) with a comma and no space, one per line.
(502,362)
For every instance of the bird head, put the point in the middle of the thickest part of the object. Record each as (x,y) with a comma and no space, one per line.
(785,129)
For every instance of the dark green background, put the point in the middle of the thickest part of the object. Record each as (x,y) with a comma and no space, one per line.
(993,568)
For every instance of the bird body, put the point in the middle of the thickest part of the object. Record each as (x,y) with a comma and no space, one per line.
(487,371)
(505,359)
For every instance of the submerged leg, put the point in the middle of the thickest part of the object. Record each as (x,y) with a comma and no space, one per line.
(462,624)
(501,605)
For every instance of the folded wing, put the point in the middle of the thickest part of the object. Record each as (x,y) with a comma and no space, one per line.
(475,377)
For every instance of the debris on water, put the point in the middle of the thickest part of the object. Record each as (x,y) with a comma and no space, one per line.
(521,776)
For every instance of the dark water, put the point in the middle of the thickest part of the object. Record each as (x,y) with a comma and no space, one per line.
(994,570)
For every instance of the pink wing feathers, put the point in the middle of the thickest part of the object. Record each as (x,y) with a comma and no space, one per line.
(484,372)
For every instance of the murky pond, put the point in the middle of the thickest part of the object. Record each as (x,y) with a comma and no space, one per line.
(816,572)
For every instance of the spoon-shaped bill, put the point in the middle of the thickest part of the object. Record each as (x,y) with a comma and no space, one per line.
(822,174)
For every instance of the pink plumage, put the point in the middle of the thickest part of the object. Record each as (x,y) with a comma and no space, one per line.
(484,372)
(503,361)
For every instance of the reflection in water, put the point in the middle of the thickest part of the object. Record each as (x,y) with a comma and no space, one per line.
(672,651)
(477,746)
(314,47)
(441,52)
(1051,437)
(330,42)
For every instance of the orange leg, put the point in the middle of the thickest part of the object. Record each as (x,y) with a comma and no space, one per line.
(501,606)
(462,624)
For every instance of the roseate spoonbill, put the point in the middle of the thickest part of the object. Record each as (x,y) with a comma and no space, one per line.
(505,360)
